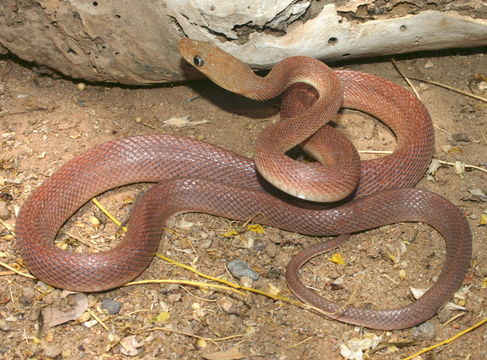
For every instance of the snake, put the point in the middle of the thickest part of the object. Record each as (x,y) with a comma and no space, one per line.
(195,176)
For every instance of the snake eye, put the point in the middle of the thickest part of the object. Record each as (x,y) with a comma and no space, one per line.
(198,61)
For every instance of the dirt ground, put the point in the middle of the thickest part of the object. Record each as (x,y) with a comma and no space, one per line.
(44,122)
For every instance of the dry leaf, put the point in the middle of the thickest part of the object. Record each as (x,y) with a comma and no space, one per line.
(131,346)
(337,258)
(273,290)
(230,354)
(183,121)
(434,166)
(455,150)
(459,168)
(53,317)
(417,293)
(163,316)
(230,233)
(256,228)
(354,348)
(453,306)
(185,225)
(402,274)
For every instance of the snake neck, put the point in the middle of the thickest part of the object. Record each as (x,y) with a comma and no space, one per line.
(297,69)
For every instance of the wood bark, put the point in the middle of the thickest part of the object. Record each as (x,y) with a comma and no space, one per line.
(134,42)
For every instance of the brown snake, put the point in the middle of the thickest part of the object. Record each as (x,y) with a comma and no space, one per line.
(194,176)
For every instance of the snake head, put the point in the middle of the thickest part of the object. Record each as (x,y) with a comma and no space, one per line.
(219,66)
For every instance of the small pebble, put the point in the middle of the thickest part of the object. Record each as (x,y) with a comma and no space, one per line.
(402,274)
(273,290)
(94,221)
(246,281)
(84,317)
(44,82)
(4,326)
(28,296)
(247,242)
(425,331)
(461,137)
(169,288)
(226,305)
(113,307)
(240,269)
(11,318)
(274,273)
(172,298)
(478,193)
(66,125)
(458,137)
(52,350)
(259,245)
(201,343)
(429,64)
(90,323)
(206,243)
(185,225)
(46,129)
(4,212)
(445,314)
(271,249)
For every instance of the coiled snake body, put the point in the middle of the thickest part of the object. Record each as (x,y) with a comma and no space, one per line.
(196,176)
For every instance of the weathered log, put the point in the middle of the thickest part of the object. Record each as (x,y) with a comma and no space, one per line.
(134,42)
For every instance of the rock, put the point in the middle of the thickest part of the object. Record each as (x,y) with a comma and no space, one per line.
(206,243)
(4,212)
(259,246)
(234,307)
(271,249)
(246,281)
(240,269)
(51,350)
(444,314)
(90,323)
(113,307)
(482,86)
(4,326)
(66,125)
(46,129)
(479,194)
(429,64)
(28,296)
(169,288)
(425,331)
(44,81)
(458,137)
(274,273)
(172,298)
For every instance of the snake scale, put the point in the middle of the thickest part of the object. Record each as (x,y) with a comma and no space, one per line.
(194,176)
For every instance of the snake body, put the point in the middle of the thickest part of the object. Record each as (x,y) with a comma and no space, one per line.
(193,176)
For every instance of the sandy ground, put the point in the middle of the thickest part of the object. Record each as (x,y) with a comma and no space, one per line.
(44,122)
